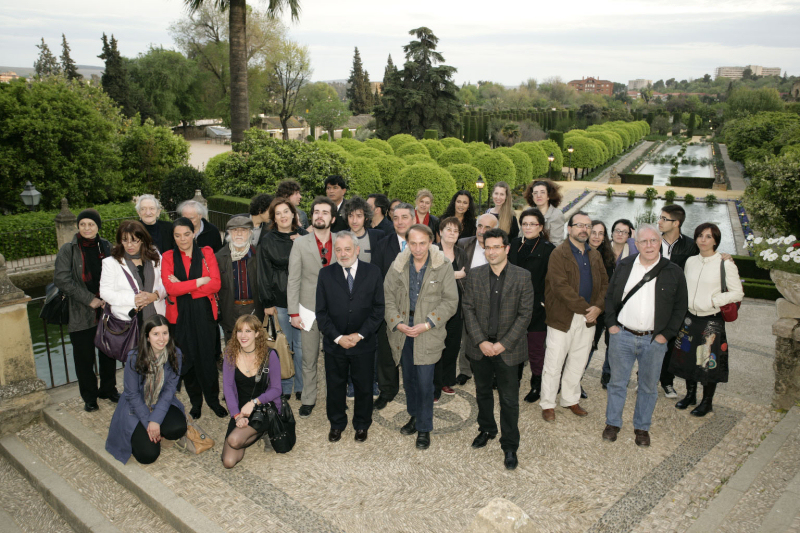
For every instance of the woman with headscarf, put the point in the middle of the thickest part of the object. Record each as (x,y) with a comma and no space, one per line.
(191,278)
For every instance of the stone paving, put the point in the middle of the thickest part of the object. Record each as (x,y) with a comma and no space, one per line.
(569,479)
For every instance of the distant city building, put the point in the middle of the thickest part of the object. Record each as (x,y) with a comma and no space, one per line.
(736,73)
(593,85)
(637,85)
(6,77)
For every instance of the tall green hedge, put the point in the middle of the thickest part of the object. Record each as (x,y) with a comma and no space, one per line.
(557,137)
(431,134)
(637,179)
(424,176)
(228,204)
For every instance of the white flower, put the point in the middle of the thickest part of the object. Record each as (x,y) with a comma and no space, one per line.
(758,240)
(786,258)
(790,249)
(750,237)
(773,257)
(797,259)
(789,238)
(771,241)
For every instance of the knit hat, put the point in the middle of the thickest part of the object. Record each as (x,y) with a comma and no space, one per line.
(91,214)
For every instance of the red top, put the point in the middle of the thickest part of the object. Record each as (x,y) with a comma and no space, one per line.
(189,287)
(425,220)
(328,249)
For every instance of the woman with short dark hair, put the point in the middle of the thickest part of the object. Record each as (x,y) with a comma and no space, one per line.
(148,410)
(622,242)
(545,195)
(700,353)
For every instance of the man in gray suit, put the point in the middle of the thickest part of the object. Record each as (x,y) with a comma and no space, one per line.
(309,254)
(497,305)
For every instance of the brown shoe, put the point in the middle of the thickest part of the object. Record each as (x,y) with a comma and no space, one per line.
(549,415)
(610,433)
(578,410)
(642,438)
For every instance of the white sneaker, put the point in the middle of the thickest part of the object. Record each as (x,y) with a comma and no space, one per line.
(669,391)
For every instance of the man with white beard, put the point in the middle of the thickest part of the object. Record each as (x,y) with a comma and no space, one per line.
(238,272)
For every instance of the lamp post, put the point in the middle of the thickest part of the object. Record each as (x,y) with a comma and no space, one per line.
(30,196)
(550,159)
(480,184)
(570,149)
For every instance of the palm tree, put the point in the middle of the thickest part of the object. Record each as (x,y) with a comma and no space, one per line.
(237,17)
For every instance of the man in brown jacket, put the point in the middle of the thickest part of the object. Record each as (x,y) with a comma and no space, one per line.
(574,294)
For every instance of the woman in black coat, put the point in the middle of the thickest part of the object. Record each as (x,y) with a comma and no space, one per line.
(531,251)
(273,262)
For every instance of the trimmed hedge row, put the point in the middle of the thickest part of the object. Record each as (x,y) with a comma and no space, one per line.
(691,181)
(637,179)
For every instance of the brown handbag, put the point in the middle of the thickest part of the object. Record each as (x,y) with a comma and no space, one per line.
(196,440)
(276,340)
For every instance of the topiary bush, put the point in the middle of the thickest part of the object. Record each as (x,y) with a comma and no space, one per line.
(413,159)
(454,156)
(494,166)
(371,153)
(557,137)
(650,193)
(536,154)
(431,134)
(396,141)
(365,178)
(688,199)
(379,144)
(435,148)
(465,176)
(669,196)
(351,145)
(551,147)
(181,184)
(631,194)
(452,142)
(476,147)
(389,168)
(411,148)
(522,163)
(212,169)
(710,199)
(424,176)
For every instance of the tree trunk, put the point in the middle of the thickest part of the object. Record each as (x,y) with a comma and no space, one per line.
(240,108)
(285,126)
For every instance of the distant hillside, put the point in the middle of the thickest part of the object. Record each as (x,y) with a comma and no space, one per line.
(25,72)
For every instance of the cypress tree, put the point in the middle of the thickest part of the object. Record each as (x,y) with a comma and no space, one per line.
(46,64)
(115,76)
(67,64)
(359,92)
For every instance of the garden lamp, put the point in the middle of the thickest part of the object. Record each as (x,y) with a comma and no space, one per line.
(570,149)
(30,196)
(480,184)
(550,158)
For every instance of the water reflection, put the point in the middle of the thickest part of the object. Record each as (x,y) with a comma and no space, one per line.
(661,171)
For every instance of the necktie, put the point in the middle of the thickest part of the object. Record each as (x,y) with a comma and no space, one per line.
(350,279)
(403,246)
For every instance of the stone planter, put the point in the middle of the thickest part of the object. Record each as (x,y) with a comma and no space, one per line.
(788,284)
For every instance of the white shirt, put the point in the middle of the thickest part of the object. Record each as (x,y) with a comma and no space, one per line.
(479,257)
(401,241)
(353,269)
(666,248)
(640,311)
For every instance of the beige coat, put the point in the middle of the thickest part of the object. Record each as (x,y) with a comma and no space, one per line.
(438,301)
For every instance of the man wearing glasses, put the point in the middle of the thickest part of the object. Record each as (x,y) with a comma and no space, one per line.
(645,305)
(676,247)
(309,254)
(574,293)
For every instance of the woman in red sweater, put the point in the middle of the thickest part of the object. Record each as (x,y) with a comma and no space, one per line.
(192,284)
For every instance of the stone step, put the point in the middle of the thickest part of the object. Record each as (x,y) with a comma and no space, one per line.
(21,505)
(785,511)
(76,510)
(173,510)
(115,503)
(754,496)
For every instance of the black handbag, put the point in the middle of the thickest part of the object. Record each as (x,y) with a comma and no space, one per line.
(56,306)
(280,425)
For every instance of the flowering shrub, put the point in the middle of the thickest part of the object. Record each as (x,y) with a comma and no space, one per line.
(776,253)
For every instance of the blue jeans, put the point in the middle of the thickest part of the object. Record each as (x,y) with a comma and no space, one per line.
(293,338)
(418,386)
(625,348)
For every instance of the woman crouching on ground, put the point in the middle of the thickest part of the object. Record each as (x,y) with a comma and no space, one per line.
(148,409)
(248,383)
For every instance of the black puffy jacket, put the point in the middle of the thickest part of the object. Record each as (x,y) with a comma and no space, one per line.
(273,261)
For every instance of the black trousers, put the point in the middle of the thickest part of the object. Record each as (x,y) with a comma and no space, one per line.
(388,373)
(361,369)
(173,427)
(201,383)
(444,373)
(83,354)
(484,371)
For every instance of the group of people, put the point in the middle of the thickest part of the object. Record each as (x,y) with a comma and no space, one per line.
(383,286)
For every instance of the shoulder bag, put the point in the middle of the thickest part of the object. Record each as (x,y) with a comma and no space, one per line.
(280,423)
(276,340)
(116,337)
(730,312)
(56,306)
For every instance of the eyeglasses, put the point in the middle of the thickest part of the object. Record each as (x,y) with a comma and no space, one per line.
(131,241)
(582,226)
(649,242)
(530,224)
(324,253)
(665,219)
(621,232)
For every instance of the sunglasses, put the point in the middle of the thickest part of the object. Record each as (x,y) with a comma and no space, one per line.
(324,259)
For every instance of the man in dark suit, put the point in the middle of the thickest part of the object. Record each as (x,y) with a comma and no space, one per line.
(388,249)
(497,304)
(349,308)
(335,190)
(475,259)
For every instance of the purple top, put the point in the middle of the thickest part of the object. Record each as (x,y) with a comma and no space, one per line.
(273,392)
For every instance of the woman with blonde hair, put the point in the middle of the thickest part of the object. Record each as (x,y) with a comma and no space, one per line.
(251,377)
(503,209)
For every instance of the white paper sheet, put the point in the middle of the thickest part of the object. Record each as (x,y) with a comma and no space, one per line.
(308,317)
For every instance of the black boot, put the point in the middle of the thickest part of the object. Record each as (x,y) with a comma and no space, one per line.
(691,396)
(705,405)
(536,387)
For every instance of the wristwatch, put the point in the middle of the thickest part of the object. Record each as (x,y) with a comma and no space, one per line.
(256,402)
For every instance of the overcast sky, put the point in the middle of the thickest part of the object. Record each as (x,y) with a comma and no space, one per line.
(506,42)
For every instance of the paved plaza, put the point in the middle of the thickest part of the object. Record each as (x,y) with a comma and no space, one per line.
(569,479)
